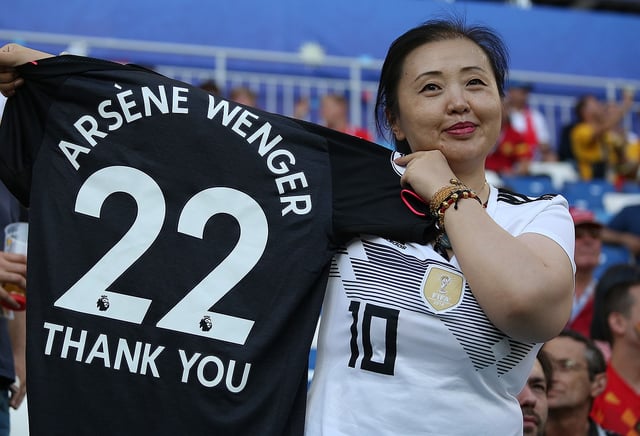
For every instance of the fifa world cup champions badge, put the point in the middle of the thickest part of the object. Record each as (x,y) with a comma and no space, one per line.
(442,289)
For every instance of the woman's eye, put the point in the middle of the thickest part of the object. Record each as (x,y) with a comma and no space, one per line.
(429,87)
(476,82)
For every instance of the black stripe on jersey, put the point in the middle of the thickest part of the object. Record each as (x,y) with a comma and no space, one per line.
(519,352)
(514,198)
(333,268)
(394,279)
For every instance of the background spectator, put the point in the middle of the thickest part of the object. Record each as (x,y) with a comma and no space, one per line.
(302,108)
(211,87)
(533,397)
(12,328)
(334,113)
(624,155)
(624,229)
(529,121)
(596,146)
(587,258)
(565,152)
(512,153)
(578,377)
(618,407)
(13,371)
(244,95)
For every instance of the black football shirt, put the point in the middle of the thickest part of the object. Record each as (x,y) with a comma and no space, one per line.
(179,249)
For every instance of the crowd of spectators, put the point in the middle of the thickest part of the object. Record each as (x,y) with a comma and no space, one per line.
(589,384)
(595,387)
(593,158)
(592,384)
(333,110)
(596,143)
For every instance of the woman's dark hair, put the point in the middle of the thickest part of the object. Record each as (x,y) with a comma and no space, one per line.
(431,31)
(612,295)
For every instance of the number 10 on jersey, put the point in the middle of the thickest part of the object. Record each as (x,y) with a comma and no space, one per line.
(383,359)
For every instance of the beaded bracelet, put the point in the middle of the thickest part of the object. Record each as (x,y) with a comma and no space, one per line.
(447,196)
(443,193)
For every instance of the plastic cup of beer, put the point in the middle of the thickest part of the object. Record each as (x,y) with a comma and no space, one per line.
(15,241)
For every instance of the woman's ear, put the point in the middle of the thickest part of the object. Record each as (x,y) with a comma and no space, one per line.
(398,134)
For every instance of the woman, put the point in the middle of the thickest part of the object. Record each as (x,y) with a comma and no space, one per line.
(439,339)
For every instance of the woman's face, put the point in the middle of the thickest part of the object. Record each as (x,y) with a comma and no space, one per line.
(448,100)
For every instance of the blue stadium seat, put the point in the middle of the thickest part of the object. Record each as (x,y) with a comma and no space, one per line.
(533,185)
(631,187)
(612,255)
(614,202)
(587,195)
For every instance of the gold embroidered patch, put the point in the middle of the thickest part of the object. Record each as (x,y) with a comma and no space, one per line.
(442,289)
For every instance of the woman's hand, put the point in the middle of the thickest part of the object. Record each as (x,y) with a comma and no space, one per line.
(425,172)
(12,55)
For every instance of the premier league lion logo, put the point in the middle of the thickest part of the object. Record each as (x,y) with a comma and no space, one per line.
(205,323)
(103,303)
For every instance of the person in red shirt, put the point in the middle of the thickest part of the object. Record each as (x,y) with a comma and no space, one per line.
(529,121)
(512,154)
(588,249)
(618,306)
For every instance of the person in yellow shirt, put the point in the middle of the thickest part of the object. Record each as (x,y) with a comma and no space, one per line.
(594,140)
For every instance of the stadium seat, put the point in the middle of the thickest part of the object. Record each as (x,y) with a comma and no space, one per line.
(560,172)
(614,202)
(587,195)
(612,255)
(533,185)
(631,187)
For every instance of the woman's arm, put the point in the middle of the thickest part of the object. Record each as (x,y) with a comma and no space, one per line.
(525,283)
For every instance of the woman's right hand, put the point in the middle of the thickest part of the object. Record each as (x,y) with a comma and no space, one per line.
(12,55)
(425,172)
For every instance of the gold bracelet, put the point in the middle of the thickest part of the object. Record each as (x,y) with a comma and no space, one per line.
(441,196)
(444,193)
(452,199)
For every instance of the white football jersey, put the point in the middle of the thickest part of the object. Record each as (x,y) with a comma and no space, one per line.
(404,347)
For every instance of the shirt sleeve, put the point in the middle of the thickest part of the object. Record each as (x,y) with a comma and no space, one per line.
(366,192)
(26,113)
(555,222)
(21,133)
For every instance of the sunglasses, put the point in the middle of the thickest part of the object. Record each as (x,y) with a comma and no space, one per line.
(591,231)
